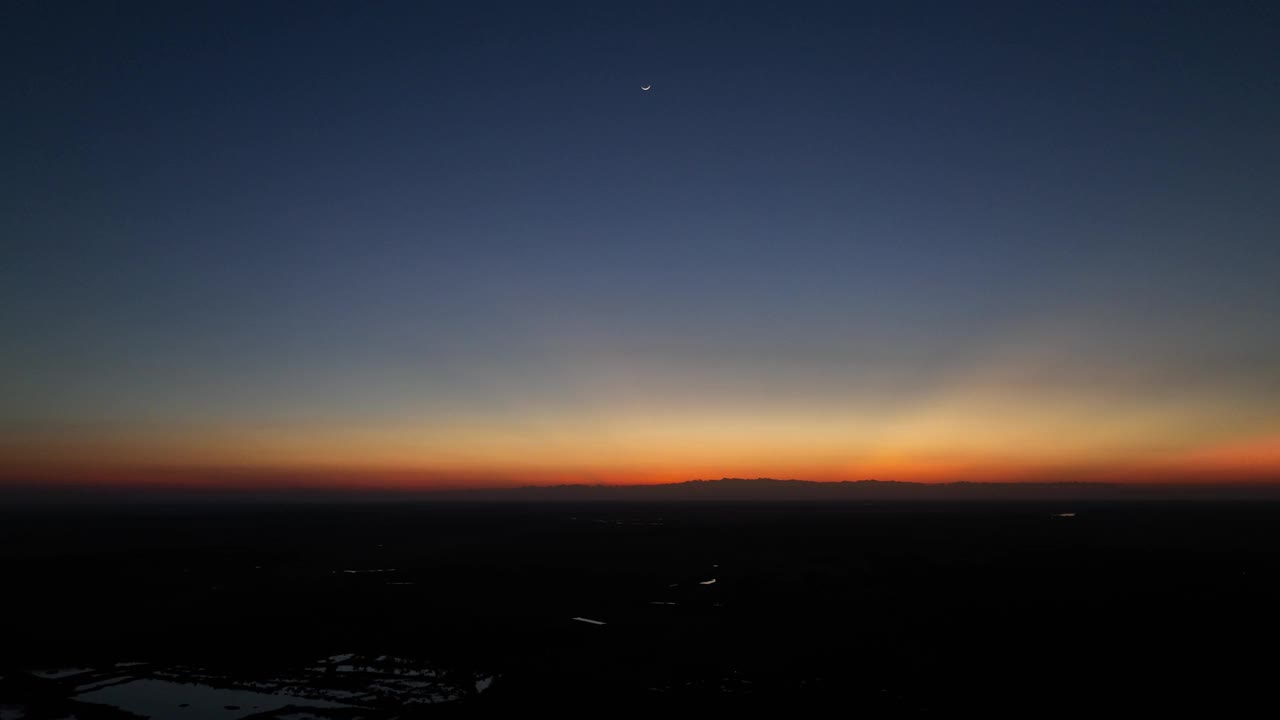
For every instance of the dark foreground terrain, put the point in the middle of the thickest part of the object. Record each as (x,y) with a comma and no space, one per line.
(416,609)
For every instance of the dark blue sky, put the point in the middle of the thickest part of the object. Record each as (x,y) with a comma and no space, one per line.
(407,216)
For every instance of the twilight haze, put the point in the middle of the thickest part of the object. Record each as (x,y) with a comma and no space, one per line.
(458,245)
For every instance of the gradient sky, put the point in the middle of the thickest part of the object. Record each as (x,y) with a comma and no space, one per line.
(456,243)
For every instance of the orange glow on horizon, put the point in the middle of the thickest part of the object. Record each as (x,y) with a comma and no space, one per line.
(1243,463)
(953,437)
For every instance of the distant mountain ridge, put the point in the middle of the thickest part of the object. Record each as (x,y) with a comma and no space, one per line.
(758,489)
(722,490)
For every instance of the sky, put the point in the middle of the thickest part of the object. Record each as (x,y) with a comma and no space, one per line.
(456,244)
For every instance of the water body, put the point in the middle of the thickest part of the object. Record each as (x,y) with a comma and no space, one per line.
(162,698)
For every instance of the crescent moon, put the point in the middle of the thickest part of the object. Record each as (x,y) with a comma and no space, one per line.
(645,87)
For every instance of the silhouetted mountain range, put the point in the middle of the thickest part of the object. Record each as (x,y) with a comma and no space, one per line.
(722,490)
(762,489)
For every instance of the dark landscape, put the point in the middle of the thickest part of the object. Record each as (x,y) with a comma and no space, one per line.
(421,608)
